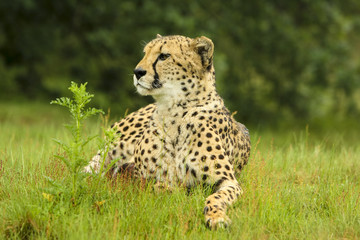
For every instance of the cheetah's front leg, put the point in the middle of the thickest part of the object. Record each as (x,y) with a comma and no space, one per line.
(216,204)
(94,165)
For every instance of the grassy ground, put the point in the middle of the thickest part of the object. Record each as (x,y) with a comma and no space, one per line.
(298,185)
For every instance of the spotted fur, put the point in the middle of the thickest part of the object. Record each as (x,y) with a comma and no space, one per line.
(187,136)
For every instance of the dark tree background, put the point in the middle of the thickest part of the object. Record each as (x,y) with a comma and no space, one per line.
(276,60)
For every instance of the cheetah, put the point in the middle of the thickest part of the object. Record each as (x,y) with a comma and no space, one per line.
(187,136)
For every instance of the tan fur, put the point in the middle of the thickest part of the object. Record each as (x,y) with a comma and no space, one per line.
(188,136)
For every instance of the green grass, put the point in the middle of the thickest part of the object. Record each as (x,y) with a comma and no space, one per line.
(298,185)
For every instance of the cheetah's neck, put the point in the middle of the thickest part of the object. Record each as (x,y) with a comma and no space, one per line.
(203,95)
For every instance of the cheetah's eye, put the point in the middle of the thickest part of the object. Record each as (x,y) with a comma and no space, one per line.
(163,56)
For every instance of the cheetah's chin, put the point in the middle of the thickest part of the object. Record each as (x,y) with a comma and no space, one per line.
(142,90)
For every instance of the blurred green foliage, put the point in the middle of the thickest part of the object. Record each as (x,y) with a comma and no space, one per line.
(276,60)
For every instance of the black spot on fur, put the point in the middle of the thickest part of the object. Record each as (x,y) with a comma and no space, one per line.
(193,173)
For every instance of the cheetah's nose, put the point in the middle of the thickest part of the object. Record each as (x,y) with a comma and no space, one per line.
(139,72)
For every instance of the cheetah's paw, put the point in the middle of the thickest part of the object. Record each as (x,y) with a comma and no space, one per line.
(216,219)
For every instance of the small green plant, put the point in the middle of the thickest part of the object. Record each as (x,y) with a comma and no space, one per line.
(104,144)
(75,186)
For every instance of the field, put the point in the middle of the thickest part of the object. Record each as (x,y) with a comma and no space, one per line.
(299,184)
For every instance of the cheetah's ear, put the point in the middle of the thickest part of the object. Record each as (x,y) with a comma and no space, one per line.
(158,36)
(205,48)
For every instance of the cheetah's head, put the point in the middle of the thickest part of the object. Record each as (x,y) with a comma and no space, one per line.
(174,66)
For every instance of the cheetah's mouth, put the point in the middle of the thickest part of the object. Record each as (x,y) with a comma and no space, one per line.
(137,84)
(142,86)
